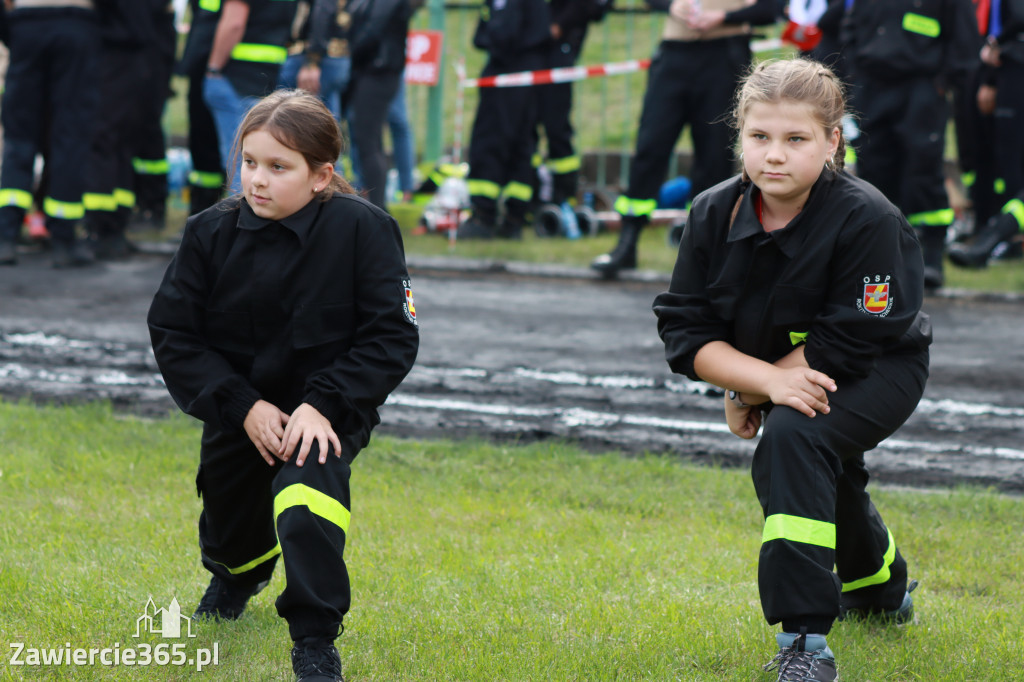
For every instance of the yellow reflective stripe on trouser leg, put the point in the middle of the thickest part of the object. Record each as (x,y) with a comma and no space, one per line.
(16,197)
(564,165)
(883,573)
(799,529)
(943,216)
(635,207)
(99,202)
(483,188)
(1015,207)
(67,210)
(518,190)
(324,506)
(252,564)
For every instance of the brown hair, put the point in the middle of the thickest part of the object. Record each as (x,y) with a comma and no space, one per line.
(299,121)
(797,80)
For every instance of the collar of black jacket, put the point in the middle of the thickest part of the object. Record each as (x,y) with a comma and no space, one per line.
(300,222)
(789,238)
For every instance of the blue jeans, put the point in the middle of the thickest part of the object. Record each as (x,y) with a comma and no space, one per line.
(228,109)
(334,75)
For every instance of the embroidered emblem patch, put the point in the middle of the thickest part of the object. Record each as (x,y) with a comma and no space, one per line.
(409,306)
(877,297)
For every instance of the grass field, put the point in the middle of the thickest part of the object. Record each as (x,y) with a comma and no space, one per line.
(474,562)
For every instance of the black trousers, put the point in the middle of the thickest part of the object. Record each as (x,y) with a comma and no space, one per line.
(110,181)
(206,180)
(151,144)
(554,116)
(689,84)
(901,145)
(1009,117)
(824,543)
(367,101)
(49,107)
(254,513)
(501,142)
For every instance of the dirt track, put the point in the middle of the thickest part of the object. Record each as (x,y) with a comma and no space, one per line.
(514,355)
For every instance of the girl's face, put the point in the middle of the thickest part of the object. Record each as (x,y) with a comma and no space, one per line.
(785,149)
(276,179)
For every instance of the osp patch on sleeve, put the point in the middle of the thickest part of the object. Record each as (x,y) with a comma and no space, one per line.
(409,305)
(877,297)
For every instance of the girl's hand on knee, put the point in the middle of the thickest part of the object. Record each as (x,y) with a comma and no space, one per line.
(305,425)
(265,425)
(802,388)
(744,422)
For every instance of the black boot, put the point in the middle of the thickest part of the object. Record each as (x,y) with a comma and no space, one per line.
(999,229)
(933,247)
(623,256)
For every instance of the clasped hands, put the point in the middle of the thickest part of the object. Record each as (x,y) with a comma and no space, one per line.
(276,434)
(801,388)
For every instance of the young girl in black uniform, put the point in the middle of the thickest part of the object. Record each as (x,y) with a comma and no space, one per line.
(798,290)
(283,323)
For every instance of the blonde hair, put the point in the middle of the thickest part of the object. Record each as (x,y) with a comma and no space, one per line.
(299,121)
(796,80)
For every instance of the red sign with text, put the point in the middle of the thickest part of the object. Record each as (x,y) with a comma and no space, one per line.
(423,57)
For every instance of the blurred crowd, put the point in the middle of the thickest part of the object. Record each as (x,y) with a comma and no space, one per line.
(87,82)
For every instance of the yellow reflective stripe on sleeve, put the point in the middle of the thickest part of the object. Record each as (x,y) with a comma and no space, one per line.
(568,164)
(210,5)
(799,529)
(921,25)
(124,197)
(99,202)
(1015,207)
(943,216)
(255,52)
(968,179)
(635,207)
(16,197)
(883,574)
(851,156)
(324,506)
(518,190)
(205,179)
(252,564)
(151,166)
(67,210)
(483,188)
(796,338)
(999,186)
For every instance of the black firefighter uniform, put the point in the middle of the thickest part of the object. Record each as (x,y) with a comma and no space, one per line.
(317,309)
(844,278)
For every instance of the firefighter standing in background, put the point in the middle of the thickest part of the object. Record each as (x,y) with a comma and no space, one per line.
(1002,93)
(49,105)
(126,29)
(244,54)
(569,22)
(903,55)
(704,50)
(150,161)
(515,34)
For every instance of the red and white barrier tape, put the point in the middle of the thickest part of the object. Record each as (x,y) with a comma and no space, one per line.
(577,73)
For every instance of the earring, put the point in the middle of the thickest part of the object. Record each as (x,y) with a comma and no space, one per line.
(315,190)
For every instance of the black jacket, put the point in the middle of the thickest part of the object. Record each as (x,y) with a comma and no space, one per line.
(376,36)
(846,276)
(508,27)
(892,40)
(316,308)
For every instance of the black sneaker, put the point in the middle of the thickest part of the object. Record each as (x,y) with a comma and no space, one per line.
(316,661)
(899,616)
(224,600)
(803,658)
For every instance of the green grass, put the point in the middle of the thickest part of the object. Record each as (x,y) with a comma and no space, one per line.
(477,562)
